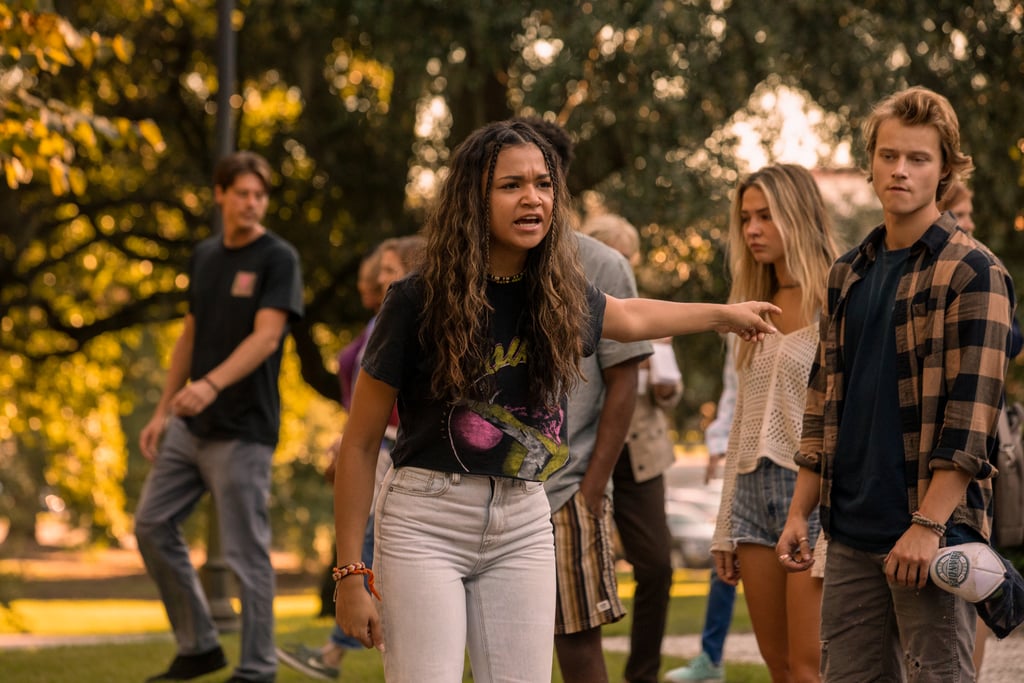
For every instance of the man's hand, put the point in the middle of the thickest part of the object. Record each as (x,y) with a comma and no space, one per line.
(907,563)
(193,398)
(149,439)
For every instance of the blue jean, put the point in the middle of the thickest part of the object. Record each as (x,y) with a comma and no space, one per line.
(237,474)
(464,561)
(761,504)
(717,618)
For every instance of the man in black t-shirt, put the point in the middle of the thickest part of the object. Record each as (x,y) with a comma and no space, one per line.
(216,425)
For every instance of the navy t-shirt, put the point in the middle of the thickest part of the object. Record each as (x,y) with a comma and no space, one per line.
(227,287)
(504,435)
(869,486)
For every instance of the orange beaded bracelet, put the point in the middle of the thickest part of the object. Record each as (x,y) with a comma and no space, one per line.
(339,573)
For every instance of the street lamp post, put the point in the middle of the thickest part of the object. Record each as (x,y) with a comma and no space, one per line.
(215,574)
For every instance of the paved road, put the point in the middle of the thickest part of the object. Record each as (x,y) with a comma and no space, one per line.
(1004,659)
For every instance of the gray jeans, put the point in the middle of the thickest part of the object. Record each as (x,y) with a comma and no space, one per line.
(237,474)
(871,631)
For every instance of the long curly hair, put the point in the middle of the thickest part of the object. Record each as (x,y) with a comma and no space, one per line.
(799,213)
(456,322)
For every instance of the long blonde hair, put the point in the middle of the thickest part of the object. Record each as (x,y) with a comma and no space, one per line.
(457,315)
(798,212)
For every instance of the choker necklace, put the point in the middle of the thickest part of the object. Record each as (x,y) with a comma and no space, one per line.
(795,285)
(506,279)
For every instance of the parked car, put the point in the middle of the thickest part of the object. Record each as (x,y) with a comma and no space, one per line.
(692,529)
(706,498)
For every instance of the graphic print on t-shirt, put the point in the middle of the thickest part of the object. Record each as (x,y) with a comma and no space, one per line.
(529,439)
(244,284)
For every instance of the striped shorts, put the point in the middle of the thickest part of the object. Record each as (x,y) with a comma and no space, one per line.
(588,594)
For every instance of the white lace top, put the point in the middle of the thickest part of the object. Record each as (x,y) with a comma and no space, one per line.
(769,414)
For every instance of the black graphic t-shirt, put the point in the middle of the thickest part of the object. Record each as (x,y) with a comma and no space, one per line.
(503,435)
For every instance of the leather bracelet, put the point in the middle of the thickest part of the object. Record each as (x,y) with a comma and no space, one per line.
(935,527)
(211,383)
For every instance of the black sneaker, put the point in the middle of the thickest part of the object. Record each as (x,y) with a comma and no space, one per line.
(187,667)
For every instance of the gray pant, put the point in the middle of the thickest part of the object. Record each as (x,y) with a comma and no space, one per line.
(872,631)
(237,474)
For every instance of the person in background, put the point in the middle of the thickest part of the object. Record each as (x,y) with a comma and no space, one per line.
(599,414)
(958,200)
(480,348)
(399,256)
(638,482)
(216,425)
(901,411)
(780,246)
(707,666)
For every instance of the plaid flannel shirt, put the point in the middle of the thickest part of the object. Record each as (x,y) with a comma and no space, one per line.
(952,317)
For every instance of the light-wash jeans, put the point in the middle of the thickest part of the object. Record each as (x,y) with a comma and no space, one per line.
(237,474)
(871,631)
(465,560)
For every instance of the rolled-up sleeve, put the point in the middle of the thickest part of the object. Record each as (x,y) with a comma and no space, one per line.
(976,335)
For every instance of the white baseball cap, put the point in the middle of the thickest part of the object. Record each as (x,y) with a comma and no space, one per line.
(972,571)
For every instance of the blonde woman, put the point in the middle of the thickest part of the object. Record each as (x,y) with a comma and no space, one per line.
(781,248)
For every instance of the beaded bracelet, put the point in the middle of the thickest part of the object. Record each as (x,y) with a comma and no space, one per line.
(339,573)
(930,524)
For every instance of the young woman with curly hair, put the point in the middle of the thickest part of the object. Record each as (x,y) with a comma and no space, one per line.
(480,348)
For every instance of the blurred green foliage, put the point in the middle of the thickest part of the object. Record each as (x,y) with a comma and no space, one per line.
(107,111)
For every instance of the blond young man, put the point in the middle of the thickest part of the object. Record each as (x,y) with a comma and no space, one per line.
(899,425)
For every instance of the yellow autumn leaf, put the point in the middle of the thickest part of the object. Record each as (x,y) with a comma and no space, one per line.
(58,178)
(59,56)
(77,180)
(51,145)
(11,174)
(121,48)
(123,125)
(151,132)
(85,53)
(85,134)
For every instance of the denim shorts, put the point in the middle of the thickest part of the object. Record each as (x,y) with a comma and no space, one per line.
(761,503)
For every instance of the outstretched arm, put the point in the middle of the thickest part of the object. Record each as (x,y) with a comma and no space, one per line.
(627,320)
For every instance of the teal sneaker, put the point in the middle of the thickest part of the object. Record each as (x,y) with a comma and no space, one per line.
(308,661)
(699,670)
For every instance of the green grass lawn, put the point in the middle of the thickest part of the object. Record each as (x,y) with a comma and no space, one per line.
(134,661)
